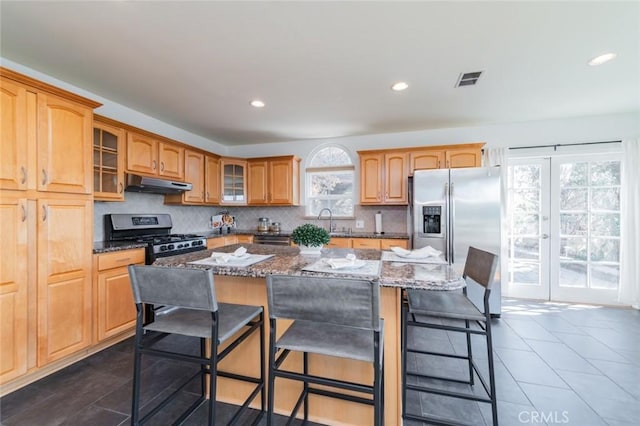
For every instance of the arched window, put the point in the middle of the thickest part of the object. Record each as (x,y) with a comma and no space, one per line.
(330,181)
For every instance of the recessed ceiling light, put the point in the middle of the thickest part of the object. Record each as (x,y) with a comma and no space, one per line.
(399,86)
(599,60)
(257,103)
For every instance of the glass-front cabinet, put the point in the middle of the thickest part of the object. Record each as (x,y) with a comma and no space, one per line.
(234,181)
(108,162)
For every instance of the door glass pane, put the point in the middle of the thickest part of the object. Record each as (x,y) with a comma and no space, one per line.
(524,200)
(573,274)
(574,199)
(590,224)
(573,174)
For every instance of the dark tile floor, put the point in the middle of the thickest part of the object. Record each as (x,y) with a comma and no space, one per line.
(555,363)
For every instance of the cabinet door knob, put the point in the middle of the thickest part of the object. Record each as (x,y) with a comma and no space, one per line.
(121,187)
(44,213)
(24,212)
(24,174)
(44,177)
(154,163)
(162,166)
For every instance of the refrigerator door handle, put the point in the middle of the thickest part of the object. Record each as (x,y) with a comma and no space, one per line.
(452,215)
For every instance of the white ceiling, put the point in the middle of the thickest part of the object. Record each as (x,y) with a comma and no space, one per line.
(324,69)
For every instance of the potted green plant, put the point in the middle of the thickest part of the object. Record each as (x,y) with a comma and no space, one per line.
(310,238)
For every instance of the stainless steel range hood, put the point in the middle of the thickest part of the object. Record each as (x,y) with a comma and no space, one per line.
(136,183)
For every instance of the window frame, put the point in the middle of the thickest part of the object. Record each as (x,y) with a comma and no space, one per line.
(311,170)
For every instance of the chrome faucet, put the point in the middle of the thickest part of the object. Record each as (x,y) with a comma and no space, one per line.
(330,217)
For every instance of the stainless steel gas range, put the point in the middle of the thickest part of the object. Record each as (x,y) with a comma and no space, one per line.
(155,231)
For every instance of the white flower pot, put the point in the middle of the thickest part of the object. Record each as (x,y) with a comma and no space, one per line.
(309,250)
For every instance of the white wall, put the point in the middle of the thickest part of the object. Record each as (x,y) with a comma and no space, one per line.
(575,130)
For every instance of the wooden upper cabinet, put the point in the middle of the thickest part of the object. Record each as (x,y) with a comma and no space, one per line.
(142,154)
(383,178)
(194,174)
(233,172)
(425,160)
(108,162)
(396,171)
(212,179)
(13,128)
(257,182)
(371,174)
(64,148)
(149,156)
(13,286)
(274,181)
(171,160)
(284,181)
(464,158)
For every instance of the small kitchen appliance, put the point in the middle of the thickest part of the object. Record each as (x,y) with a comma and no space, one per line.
(263,224)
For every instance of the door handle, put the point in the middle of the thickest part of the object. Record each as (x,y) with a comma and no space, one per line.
(162,166)
(24,174)
(154,163)
(24,212)
(544,236)
(121,187)
(44,177)
(44,213)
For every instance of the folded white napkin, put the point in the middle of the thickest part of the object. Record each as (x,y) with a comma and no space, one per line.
(225,257)
(420,253)
(348,260)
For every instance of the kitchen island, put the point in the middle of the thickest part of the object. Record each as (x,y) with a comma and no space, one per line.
(246,285)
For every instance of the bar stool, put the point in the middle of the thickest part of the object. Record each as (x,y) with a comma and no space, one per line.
(334,317)
(426,305)
(195,312)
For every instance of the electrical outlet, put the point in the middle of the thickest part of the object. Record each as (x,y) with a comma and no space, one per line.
(359,223)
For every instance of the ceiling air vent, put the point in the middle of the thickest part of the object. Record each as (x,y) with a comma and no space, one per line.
(468,78)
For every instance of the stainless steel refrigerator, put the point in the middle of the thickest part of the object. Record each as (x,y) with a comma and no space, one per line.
(453,209)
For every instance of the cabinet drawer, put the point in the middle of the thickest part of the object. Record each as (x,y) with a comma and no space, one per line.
(366,243)
(386,244)
(120,258)
(339,243)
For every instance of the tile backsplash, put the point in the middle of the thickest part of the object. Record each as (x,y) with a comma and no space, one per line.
(195,219)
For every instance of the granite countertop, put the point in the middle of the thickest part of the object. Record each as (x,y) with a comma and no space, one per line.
(288,261)
(390,235)
(109,246)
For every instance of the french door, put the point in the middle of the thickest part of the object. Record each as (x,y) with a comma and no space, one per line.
(564,228)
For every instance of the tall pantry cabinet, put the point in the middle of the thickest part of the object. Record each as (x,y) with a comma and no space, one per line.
(46,219)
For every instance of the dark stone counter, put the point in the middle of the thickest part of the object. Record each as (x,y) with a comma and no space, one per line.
(109,246)
(288,261)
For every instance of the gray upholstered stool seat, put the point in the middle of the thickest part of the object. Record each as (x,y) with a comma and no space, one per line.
(335,317)
(443,304)
(328,339)
(424,309)
(192,309)
(190,322)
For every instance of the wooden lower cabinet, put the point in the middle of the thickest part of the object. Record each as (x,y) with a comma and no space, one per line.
(339,242)
(367,243)
(228,240)
(114,309)
(13,287)
(244,239)
(329,411)
(65,241)
(387,243)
